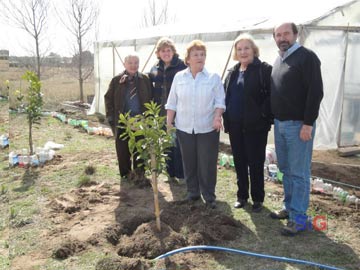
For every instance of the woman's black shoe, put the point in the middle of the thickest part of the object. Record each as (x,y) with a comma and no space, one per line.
(257,207)
(240,204)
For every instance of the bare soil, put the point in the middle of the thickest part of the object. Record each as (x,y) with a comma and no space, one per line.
(329,165)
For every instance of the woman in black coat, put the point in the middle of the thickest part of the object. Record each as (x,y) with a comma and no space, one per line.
(248,119)
(161,76)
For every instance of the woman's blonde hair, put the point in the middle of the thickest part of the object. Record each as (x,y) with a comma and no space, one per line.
(248,38)
(195,44)
(165,42)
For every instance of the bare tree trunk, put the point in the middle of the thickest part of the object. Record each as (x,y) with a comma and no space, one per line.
(38,64)
(81,80)
(155,190)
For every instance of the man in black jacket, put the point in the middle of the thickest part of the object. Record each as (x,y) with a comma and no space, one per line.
(296,93)
(127,92)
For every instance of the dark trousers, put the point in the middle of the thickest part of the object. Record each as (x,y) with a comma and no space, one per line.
(249,150)
(200,152)
(174,165)
(124,156)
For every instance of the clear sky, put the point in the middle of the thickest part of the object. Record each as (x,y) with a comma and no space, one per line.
(119,18)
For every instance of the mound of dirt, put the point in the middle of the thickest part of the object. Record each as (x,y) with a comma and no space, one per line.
(134,234)
(68,248)
(114,232)
(183,224)
(138,178)
(345,173)
(202,225)
(148,242)
(122,263)
(323,203)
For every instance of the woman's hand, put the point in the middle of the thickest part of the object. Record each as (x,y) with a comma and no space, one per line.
(217,123)
(169,126)
(170,116)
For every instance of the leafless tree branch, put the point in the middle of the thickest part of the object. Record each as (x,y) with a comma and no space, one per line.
(32,17)
(156,13)
(79,17)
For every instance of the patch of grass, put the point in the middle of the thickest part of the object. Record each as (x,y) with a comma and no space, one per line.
(51,121)
(22,210)
(89,259)
(24,240)
(4,129)
(53,265)
(3,189)
(83,261)
(4,166)
(4,262)
(6,244)
(107,172)
(45,190)
(84,180)
(12,213)
(68,136)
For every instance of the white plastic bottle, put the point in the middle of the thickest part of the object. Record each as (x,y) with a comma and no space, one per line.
(273,169)
(13,159)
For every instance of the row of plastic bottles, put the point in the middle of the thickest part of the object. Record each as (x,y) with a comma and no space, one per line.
(76,123)
(99,131)
(60,116)
(337,192)
(83,123)
(345,197)
(318,184)
(25,160)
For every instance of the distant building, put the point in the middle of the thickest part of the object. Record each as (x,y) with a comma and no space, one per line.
(4,60)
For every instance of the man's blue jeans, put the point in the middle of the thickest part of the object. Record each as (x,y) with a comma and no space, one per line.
(294,161)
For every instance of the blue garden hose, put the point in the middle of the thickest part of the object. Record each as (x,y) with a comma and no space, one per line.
(283,259)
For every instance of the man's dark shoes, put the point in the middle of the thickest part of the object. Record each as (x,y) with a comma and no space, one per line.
(124,177)
(283,214)
(291,229)
(257,207)
(240,204)
(211,204)
(193,198)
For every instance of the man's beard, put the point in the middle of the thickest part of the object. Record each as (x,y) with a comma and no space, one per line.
(284,46)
